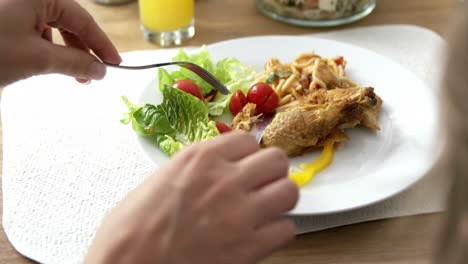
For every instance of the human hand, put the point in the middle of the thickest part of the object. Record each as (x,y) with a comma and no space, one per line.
(220,201)
(26,47)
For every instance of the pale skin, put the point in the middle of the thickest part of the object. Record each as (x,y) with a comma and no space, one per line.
(26,47)
(220,201)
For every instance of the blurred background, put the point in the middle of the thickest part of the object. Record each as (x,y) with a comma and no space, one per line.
(240,18)
(415,238)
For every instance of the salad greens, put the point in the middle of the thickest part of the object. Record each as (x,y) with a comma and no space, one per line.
(182,119)
(229,71)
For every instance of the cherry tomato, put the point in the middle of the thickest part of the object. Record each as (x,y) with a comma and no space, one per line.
(264,97)
(238,101)
(189,87)
(222,128)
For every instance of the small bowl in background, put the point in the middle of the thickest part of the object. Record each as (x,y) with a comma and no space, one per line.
(316,13)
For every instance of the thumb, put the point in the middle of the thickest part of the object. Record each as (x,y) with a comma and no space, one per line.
(73,62)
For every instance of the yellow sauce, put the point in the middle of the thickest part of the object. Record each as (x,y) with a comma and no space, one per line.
(309,170)
(166,15)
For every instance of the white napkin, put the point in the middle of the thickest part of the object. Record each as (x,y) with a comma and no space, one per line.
(66,161)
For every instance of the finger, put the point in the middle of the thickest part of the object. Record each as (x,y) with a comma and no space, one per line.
(264,167)
(47,34)
(70,16)
(273,200)
(271,237)
(73,41)
(70,61)
(232,146)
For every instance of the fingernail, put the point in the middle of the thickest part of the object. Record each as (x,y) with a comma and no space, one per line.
(84,81)
(96,71)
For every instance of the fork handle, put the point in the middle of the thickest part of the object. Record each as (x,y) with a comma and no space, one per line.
(143,67)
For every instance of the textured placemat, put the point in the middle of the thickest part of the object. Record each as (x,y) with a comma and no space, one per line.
(67,161)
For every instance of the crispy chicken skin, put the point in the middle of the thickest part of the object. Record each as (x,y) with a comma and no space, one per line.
(320,116)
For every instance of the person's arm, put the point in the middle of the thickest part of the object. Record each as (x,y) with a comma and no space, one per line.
(26,47)
(220,202)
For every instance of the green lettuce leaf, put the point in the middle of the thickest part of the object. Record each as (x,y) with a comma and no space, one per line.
(146,119)
(202,59)
(168,144)
(187,116)
(180,120)
(164,78)
(226,69)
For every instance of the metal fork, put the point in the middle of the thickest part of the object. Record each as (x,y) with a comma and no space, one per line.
(204,74)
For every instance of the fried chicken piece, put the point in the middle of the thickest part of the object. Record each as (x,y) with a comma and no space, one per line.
(246,118)
(306,123)
(371,116)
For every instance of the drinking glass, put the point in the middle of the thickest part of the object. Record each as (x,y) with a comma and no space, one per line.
(167,22)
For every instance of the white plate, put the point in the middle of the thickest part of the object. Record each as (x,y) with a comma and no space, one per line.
(372,166)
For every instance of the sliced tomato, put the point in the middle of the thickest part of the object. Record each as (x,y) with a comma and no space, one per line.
(238,101)
(189,87)
(264,97)
(222,128)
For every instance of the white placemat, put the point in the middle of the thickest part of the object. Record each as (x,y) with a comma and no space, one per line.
(67,161)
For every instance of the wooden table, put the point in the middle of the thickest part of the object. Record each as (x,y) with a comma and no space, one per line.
(408,240)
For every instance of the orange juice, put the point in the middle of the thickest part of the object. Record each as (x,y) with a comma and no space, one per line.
(166,15)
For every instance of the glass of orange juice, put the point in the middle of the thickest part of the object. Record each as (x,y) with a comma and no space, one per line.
(167,22)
